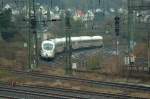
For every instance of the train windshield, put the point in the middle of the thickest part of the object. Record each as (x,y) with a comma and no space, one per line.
(48,46)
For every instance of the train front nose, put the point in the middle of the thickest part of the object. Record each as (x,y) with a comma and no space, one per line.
(47,50)
(50,54)
(47,54)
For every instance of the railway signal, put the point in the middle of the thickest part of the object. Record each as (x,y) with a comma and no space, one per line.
(33,22)
(117,25)
(117,30)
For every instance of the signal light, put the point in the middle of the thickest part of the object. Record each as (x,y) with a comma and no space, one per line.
(117,22)
(33,23)
(117,19)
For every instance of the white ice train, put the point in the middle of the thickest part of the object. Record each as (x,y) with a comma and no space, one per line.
(50,47)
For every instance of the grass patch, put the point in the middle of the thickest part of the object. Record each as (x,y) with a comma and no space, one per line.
(4,73)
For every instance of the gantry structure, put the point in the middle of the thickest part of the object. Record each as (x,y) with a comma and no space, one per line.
(133,7)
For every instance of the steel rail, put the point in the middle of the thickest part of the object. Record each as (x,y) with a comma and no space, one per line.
(7,97)
(70,93)
(37,75)
(99,83)
(22,92)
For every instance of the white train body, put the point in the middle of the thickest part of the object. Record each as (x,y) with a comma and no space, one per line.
(50,47)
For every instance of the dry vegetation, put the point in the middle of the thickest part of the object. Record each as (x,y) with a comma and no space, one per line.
(65,84)
(13,55)
(141,50)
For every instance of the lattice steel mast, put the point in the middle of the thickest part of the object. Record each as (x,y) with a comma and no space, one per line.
(32,37)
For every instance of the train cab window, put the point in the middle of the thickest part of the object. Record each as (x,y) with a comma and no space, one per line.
(48,46)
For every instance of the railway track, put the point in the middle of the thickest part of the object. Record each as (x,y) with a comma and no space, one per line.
(6,97)
(34,92)
(130,87)
(93,82)
(26,92)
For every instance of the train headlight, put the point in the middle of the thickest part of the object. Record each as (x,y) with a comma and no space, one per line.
(47,54)
(42,53)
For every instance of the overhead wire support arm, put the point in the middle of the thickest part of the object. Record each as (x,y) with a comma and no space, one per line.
(52,20)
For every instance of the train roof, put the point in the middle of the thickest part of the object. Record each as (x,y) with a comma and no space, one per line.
(79,38)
